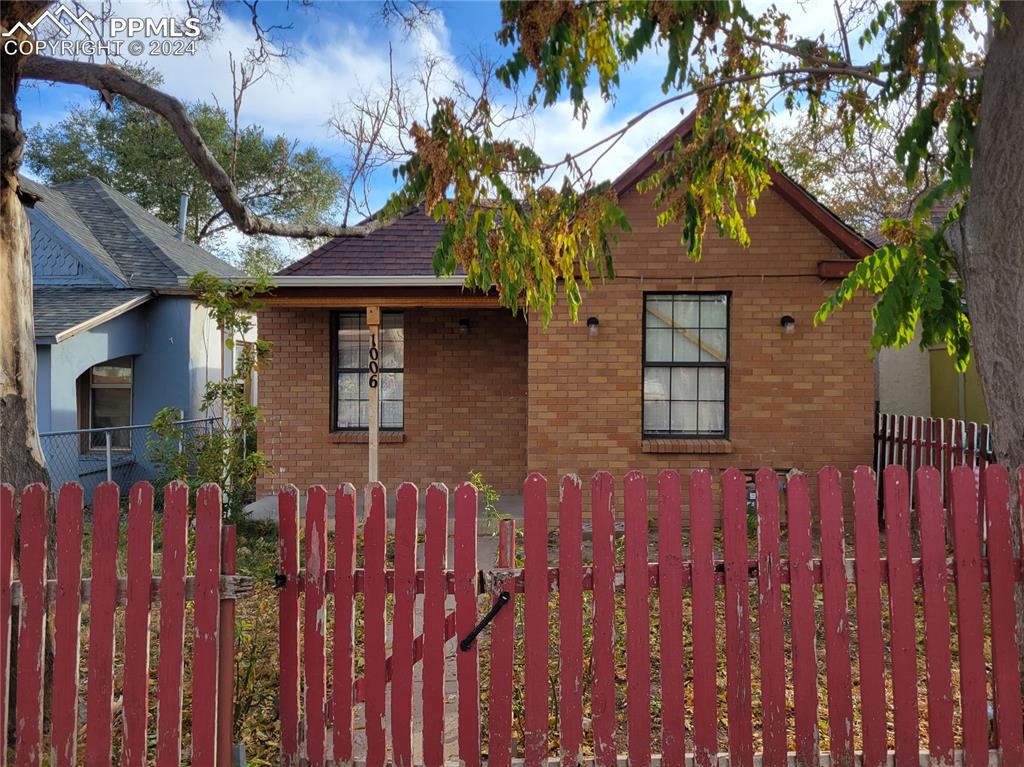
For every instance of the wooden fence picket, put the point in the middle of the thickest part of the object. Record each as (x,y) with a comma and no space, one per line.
(870,642)
(406,531)
(1005,652)
(938,655)
(28,707)
(288,622)
(836,620)
(535,630)
(102,606)
(67,626)
(206,617)
(7,518)
(343,658)
(603,646)
(570,621)
(704,664)
(737,618)
(136,620)
(638,633)
(803,639)
(435,593)
(670,602)
(314,635)
(465,621)
(770,619)
(970,616)
(116,662)
(499,712)
(902,612)
(919,526)
(174,558)
(375,601)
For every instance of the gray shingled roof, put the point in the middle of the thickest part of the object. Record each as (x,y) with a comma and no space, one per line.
(60,308)
(131,242)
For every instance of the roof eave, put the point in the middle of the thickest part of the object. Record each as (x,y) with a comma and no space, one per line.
(93,322)
(361,281)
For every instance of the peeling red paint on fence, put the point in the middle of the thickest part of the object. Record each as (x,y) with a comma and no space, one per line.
(314,638)
(136,620)
(113,600)
(6,575)
(172,625)
(871,644)
(67,625)
(603,693)
(28,707)
(916,568)
(435,591)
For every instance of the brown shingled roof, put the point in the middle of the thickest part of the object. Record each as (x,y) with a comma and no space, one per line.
(402,248)
(406,246)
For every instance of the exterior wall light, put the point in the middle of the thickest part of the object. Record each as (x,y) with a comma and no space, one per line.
(788,323)
(464,325)
(592,325)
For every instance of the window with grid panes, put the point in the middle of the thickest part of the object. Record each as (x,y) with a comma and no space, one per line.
(352,371)
(686,365)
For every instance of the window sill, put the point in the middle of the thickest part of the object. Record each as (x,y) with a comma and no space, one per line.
(706,446)
(363,438)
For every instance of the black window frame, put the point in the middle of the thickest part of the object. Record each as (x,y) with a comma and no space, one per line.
(726,365)
(336,370)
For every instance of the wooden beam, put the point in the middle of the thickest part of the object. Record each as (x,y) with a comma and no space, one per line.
(388,298)
(835,270)
(231,587)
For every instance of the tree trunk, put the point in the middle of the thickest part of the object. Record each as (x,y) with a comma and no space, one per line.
(991,252)
(21,456)
(991,258)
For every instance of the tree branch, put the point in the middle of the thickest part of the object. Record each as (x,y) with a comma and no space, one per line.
(110,80)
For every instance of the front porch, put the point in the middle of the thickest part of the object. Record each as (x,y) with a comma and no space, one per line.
(452,379)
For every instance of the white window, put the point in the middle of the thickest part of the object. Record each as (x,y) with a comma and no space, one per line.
(686,365)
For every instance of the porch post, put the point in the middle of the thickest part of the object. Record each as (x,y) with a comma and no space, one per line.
(373,322)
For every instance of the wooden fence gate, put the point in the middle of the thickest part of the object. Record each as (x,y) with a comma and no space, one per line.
(207,652)
(736,645)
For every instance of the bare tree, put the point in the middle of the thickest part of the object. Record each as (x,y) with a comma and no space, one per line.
(375,123)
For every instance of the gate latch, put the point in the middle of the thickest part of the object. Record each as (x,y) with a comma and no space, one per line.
(467,642)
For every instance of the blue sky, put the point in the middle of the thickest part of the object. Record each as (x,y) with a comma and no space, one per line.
(339,48)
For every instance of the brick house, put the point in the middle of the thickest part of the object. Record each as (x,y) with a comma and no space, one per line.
(673,364)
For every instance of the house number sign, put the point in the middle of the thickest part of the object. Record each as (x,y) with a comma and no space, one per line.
(374,364)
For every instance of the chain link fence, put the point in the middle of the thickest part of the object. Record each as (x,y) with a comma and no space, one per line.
(91,456)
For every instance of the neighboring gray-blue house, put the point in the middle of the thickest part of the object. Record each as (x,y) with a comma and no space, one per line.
(118,334)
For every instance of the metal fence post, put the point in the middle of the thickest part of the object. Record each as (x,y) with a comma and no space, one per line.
(110,473)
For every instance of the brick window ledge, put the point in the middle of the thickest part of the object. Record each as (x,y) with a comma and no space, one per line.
(718,446)
(363,438)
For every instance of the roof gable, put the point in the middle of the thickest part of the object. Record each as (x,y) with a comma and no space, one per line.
(843,235)
(121,237)
(406,246)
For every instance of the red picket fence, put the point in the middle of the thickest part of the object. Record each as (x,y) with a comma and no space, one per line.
(914,441)
(710,592)
(39,597)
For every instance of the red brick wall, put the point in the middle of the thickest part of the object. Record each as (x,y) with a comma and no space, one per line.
(795,400)
(465,402)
